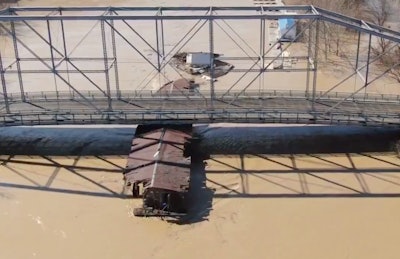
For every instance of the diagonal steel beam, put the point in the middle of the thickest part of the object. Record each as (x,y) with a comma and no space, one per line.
(130,44)
(357,71)
(265,67)
(185,39)
(173,51)
(64,55)
(361,88)
(263,60)
(237,34)
(236,43)
(49,67)
(137,34)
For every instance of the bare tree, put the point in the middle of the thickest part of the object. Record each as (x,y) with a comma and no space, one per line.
(4,3)
(337,38)
(334,36)
(379,12)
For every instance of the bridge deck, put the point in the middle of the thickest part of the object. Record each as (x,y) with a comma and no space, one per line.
(45,109)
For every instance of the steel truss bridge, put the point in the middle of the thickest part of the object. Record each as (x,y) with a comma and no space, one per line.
(88,65)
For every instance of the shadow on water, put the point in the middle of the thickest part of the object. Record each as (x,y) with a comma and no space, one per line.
(199,198)
(12,165)
(263,142)
(316,181)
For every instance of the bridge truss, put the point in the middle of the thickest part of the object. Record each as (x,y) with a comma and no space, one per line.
(63,65)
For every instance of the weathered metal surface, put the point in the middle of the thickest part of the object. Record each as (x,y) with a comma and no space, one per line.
(157,165)
(180,87)
(157,158)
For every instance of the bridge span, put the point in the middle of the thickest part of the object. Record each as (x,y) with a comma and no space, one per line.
(50,108)
(95,65)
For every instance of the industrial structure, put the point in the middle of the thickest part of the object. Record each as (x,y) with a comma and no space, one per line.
(158,169)
(88,65)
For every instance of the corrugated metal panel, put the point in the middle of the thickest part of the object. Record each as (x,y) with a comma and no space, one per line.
(157,157)
(172,170)
(177,87)
(140,164)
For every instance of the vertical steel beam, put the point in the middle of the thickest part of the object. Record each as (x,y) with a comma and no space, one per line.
(53,67)
(211,41)
(3,84)
(66,58)
(357,59)
(158,48)
(358,50)
(368,59)
(116,71)
(262,49)
(16,53)
(64,41)
(315,65)
(162,35)
(106,70)
(158,54)
(160,40)
(308,76)
(366,83)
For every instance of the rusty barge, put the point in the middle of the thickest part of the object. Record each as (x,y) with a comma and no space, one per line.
(158,169)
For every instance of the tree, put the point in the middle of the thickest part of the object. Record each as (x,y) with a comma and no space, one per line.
(4,3)
(379,12)
(333,35)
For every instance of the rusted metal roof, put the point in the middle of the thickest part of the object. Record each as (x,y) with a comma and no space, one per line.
(157,157)
(180,86)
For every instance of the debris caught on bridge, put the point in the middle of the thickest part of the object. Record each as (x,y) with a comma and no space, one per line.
(158,169)
(181,86)
(199,63)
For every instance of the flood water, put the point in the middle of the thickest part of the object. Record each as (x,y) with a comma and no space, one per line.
(263,191)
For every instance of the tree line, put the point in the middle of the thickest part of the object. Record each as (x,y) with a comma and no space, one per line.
(335,38)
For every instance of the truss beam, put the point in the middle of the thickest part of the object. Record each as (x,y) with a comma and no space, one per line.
(126,41)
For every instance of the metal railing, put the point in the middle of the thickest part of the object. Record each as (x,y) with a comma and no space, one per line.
(194,116)
(68,114)
(126,94)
